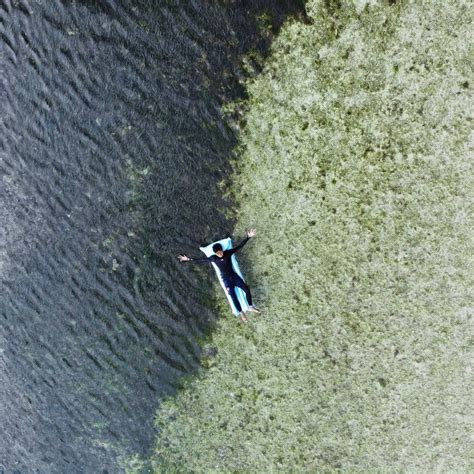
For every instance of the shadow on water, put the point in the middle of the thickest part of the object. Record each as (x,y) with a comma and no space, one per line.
(112,145)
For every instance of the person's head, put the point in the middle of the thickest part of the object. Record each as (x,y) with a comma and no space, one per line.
(218,250)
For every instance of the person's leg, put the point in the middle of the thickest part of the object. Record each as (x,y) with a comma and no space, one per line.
(233,295)
(230,288)
(241,284)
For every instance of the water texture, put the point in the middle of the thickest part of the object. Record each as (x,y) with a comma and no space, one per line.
(111,145)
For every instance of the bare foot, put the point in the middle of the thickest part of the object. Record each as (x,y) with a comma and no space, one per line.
(243,318)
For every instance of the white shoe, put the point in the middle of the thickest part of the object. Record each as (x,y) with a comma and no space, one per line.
(253,309)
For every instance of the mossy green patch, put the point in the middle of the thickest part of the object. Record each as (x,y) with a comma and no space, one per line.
(353,166)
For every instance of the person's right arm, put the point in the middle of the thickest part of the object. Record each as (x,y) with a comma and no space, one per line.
(184,258)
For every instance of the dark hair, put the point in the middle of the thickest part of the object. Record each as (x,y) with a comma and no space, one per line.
(216,247)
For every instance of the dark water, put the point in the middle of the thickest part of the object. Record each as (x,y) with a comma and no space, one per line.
(111,146)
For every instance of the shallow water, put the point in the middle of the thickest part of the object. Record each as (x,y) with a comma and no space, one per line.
(112,143)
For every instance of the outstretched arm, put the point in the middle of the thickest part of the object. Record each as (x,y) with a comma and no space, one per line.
(250,233)
(184,258)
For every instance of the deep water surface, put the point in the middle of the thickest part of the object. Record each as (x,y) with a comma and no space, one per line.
(111,145)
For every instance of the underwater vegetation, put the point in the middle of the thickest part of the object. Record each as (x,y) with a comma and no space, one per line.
(353,166)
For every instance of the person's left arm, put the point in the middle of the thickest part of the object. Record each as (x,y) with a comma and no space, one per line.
(250,233)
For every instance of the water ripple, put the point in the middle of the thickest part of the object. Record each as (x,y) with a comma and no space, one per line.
(111,145)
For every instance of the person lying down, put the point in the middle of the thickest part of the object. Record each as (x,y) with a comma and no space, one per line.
(222,259)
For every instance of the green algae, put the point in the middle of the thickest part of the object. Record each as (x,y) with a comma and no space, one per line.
(353,166)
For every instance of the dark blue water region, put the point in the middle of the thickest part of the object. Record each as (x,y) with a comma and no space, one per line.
(112,143)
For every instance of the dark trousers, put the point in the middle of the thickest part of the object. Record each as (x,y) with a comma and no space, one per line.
(231,283)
